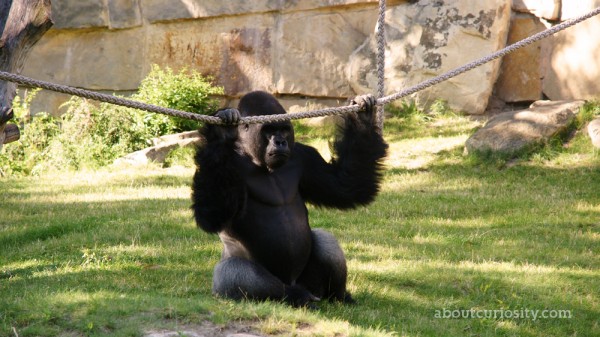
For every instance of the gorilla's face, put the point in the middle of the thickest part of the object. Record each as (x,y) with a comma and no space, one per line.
(269,145)
(279,140)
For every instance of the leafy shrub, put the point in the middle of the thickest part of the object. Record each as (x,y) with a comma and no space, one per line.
(90,135)
(186,91)
(95,135)
(30,153)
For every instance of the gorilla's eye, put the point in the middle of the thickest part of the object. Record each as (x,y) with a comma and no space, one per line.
(271,129)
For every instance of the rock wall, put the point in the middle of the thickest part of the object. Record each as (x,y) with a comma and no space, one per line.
(574,65)
(322,50)
(428,38)
(562,67)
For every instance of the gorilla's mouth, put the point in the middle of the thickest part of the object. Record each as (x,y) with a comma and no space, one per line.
(276,159)
(279,154)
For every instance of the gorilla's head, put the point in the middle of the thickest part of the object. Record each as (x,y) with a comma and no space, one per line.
(270,145)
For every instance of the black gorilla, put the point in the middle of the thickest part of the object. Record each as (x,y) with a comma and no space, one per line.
(251,185)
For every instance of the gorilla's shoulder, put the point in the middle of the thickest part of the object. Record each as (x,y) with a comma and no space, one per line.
(307,156)
(304,150)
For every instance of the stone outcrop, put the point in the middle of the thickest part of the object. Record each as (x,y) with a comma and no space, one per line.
(574,68)
(565,66)
(425,40)
(522,71)
(515,131)
(161,149)
(594,132)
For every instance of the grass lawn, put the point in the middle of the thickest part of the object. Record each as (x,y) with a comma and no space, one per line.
(115,252)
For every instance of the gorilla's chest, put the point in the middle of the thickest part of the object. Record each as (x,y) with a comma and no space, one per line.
(274,227)
(276,188)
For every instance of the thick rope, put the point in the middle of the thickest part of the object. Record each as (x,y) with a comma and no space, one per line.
(25,81)
(380,33)
(29,82)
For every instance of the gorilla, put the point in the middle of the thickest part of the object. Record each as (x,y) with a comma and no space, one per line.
(251,185)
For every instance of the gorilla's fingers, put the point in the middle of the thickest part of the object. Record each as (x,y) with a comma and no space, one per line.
(367,105)
(358,100)
(365,102)
(229,115)
(372,102)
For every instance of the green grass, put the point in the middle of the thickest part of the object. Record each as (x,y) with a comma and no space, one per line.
(115,252)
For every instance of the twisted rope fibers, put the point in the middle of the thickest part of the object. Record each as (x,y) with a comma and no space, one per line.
(380,32)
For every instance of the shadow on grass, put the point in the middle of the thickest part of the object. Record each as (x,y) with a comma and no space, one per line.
(106,301)
(98,267)
(423,308)
(474,236)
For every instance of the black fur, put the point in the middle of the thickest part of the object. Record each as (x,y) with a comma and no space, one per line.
(251,185)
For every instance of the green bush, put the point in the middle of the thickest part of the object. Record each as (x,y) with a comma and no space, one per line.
(186,91)
(94,135)
(29,154)
(90,134)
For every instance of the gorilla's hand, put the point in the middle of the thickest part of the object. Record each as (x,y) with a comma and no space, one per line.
(367,103)
(230,117)
(297,296)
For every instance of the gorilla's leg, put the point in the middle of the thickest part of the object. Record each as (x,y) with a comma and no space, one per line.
(326,272)
(238,278)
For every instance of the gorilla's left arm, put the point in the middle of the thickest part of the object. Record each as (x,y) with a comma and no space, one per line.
(218,190)
(354,175)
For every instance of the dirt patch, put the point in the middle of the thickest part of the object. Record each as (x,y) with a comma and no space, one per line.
(208,329)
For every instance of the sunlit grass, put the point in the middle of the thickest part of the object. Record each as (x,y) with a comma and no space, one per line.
(116,252)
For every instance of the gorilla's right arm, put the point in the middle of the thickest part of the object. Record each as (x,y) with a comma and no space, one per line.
(219,192)
(354,175)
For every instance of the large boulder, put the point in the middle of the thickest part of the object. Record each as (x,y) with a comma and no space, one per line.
(594,132)
(574,69)
(426,39)
(515,131)
(522,70)
(161,149)
(547,9)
